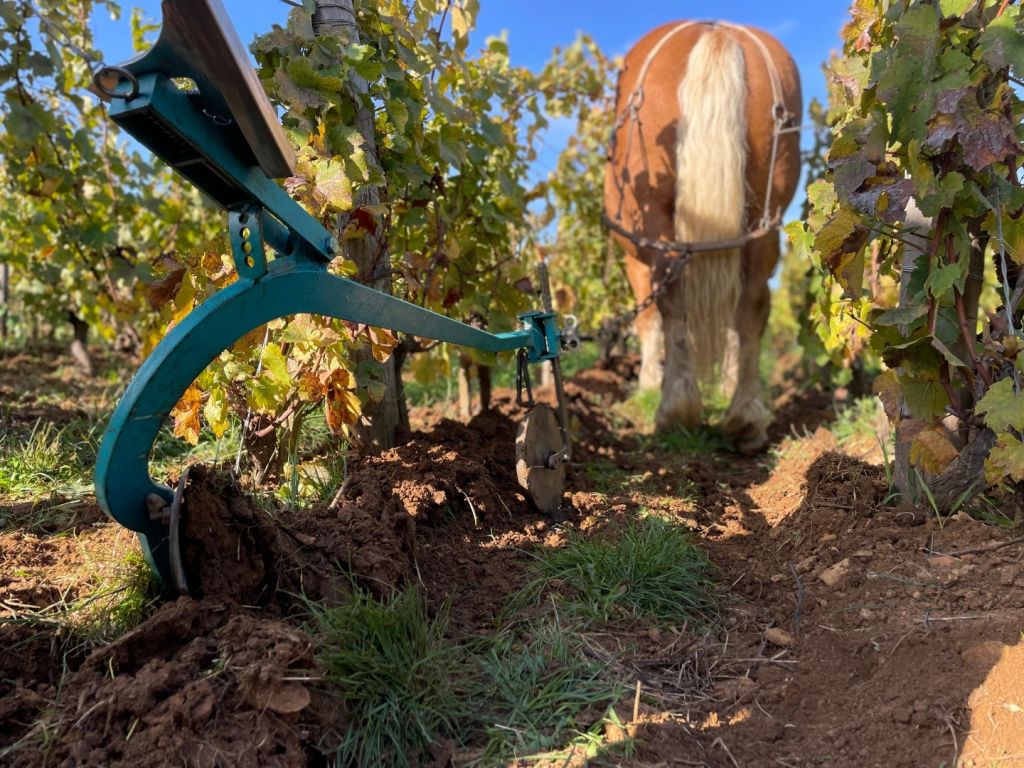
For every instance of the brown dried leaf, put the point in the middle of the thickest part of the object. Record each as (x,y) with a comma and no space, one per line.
(186,415)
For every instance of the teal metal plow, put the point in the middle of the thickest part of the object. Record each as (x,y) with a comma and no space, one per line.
(223,136)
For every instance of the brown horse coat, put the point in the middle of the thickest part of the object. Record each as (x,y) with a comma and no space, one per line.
(691,162)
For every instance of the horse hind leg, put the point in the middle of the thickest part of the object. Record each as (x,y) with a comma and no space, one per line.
(748,418)
(652,348)
(648,324)
(680,394)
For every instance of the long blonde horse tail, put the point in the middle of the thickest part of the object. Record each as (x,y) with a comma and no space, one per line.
(711,190)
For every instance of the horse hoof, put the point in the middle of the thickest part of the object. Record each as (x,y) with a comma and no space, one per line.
(752,445)
(747,437)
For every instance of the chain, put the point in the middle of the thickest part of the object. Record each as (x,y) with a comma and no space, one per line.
(523,380)
(611,330)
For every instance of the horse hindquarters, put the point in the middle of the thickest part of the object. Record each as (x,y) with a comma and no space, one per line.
(710,205)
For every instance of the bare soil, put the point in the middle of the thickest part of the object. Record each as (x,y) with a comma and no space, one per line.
(854,633)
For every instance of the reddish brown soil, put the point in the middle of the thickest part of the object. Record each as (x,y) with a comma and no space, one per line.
(854,634)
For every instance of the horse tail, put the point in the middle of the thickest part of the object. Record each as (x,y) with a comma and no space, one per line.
(711,190)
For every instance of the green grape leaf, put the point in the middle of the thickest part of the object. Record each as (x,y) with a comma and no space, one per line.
(926,399)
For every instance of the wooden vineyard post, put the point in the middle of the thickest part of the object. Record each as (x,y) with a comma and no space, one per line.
(381,421)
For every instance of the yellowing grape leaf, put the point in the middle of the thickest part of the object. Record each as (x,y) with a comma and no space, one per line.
(1002,407)
(931,449)
(382,342)
(341,405)
(1006,461)
(186,415)
(926,398)
(275,365)
(216,412)
(185,300)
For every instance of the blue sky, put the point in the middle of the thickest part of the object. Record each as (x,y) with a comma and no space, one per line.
(808,28)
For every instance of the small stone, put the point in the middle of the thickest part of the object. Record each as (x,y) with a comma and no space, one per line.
(777,577)
(828,537)
(806,564)
(863,554)
(779,637)
(983,655)
(662,471)
(836,574)
(943,561)
(867,614)
(736,688)
(1007,575)
(655,634)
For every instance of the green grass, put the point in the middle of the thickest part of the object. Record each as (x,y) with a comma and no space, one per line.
(705,440)
(49,460)
(641,409)
(540,695)
(391,668)
(123,596)
(526,689)
(117,597)
(171,454)
(860,419)
(652,570)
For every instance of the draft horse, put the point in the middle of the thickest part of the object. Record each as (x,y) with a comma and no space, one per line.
(704,153)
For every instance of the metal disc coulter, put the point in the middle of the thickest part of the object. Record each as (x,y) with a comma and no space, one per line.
(224,138)
(540,458)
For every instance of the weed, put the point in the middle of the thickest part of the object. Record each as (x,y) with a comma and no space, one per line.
(652,570)
(123,595)
(539,686)
(171,454)
(640,408)
(991,511)
(860,419)
(118,596)
(702,441)
(48,461)
(892,493)
(391,667)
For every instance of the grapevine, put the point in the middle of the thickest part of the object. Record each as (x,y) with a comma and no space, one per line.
(923,191)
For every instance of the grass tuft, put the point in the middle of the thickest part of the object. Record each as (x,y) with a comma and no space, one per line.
(48,461)
(120,594)
(390,666)
(862,419)
(652,570)
(541,691)
(705,440)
